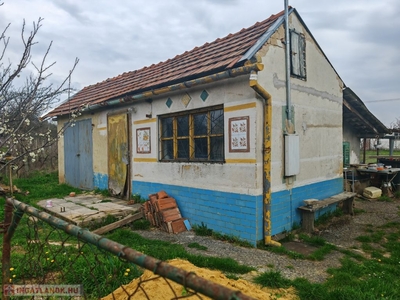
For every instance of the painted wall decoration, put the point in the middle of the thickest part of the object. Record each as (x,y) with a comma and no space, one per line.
(239,134)
(143,140)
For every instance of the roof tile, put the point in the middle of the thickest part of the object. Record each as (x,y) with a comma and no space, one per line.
(223,53)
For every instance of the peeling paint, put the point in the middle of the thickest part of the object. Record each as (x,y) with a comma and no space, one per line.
(278,83)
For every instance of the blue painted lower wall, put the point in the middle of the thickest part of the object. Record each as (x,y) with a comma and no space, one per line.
(284,212)
(100,181)
(237,214)
(228,213)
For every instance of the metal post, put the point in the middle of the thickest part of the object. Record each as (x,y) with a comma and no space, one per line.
(8,209)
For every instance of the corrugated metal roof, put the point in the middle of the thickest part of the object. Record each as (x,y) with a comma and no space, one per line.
(357,115)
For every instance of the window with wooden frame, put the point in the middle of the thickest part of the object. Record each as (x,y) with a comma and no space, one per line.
(196,135)
(297,54)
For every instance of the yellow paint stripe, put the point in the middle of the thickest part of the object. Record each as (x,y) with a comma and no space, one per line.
(240,161)
(240,107)
(142,159)
(102,128)
(145,121)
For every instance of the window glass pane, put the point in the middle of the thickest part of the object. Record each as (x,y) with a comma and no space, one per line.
(167,150)
(167,127)
(200,124)
(183,125)
(183,148)
(200,148)
(217,148)
(217,121)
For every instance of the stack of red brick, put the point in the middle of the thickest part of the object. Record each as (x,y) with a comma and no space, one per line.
(163,212)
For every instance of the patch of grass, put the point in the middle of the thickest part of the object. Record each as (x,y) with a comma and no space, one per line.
(358,211)
(385,198)
(197,246)
(397,194)
(141,224)
(281,250)
(105,192)
(320,253)
(202,230)
(166,250)
(272,279)
(232,276)
(137,198)
(42,186)
(312,240)
(326,217)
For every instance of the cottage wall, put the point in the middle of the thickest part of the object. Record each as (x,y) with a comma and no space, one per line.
(350,136)
(317,103)
(228,197)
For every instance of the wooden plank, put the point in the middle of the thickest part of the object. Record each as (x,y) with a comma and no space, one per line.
(166,203)
(118,224)
(328,201)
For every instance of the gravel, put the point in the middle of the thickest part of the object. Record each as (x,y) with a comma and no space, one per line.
(340,231)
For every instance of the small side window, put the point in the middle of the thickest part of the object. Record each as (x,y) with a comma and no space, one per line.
(298,54)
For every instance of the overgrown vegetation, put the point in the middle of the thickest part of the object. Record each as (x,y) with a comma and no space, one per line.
(203,230)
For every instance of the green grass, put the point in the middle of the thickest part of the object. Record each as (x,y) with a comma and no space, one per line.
(203,230)
(383,152)
(359,277)
(197,246)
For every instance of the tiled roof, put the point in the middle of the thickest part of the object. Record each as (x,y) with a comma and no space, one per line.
(221,54)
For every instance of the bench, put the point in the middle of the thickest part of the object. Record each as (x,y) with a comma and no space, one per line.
(308,211)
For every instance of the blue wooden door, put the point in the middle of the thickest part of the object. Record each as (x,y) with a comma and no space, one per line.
(78,155)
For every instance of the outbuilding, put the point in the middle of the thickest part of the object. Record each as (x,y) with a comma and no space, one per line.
(214,128)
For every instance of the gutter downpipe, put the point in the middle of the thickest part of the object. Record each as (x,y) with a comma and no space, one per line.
(267,121)
(287,64)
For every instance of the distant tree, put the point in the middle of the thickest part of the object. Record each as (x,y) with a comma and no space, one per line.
(395,124)
(25,95)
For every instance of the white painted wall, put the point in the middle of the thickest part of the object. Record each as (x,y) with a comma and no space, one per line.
(349,135)
(234,177)
(318,111)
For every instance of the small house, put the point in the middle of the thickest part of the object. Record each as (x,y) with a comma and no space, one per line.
(213,127)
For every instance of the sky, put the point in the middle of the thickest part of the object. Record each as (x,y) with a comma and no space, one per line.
(361,38)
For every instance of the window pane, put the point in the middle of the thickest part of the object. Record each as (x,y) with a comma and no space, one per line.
(167,127)
(167,150)
(183,148)
(183,125)
(217,148)
(200,148)
(217,121)
(200,124)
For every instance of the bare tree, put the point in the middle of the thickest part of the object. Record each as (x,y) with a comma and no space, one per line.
(22,101)
(396,124)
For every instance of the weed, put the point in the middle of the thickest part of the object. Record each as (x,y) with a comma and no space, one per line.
(106,201)
(397,194)
(326,217)
(105,192)
(290,267)
(232,276)
(202,230)
(313,240)
(197,246)
(141,224)
(385,198)
(137,198)
(272,279)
